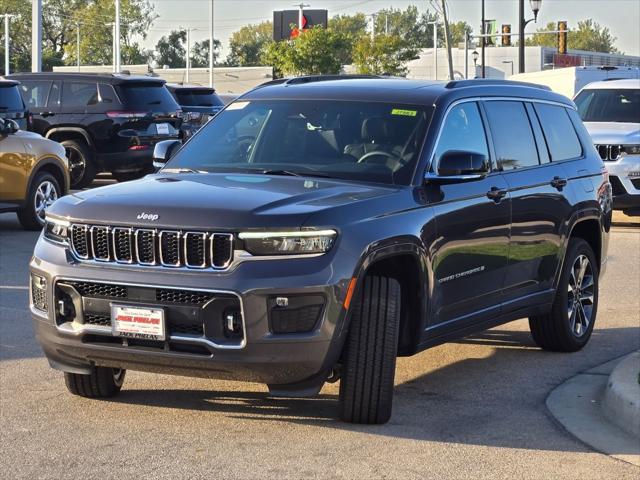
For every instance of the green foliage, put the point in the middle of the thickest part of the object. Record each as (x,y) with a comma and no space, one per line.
(386,54)
(353,27)
(311,53)
(200,53)
(246,44)
(170,49)
(589,36)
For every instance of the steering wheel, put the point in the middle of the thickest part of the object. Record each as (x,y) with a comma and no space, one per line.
(244,144)
(366,156)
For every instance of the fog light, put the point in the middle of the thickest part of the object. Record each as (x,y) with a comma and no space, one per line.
(232,323)
(39,292)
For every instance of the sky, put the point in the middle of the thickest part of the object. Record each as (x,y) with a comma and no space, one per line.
(621,16)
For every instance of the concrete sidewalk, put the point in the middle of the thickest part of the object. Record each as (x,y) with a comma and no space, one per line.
(579,405)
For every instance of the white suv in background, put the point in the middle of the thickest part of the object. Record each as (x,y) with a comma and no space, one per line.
(611,112)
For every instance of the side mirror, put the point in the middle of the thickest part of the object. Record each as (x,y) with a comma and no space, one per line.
(8,126)
(460,166)
(163,151)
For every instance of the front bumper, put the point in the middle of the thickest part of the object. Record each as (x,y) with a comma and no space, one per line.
(261,356)
(625,179)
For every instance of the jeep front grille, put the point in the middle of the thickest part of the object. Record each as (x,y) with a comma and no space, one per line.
(144,246)
(609,153)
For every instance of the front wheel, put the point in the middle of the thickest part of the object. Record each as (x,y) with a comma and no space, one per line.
(568,327)
(369,362)
(44,190)
(102,382)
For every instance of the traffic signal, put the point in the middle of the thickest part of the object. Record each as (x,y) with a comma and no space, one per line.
(506,35)
(562,37)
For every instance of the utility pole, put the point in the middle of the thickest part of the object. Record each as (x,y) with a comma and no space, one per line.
(117,36)
(211,43)
(188,62)
(78,44)
(435,47)
(447,38)
(7,17)
(113,46)
(36,36)
(373,25)
(484,41)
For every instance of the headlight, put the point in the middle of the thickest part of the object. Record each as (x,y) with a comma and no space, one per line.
(288,243)
(630,149)
(56,230)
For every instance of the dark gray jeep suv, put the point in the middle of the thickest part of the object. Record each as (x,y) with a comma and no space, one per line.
(319,227)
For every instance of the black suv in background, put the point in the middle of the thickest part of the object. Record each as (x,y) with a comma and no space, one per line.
(198,104)
(317,228)
(11,105)
(106,122)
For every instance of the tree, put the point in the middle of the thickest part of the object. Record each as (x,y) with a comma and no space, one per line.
(200,53)
(170,50)
(353,27)
(589,36)
(385,54)
(457,31)
(246,44)
(311,53)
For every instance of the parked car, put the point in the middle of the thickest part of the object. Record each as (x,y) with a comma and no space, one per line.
(611,112)
(199,104)
(11,105)
(227,98)
(33,174)
(106,122)
(319,227)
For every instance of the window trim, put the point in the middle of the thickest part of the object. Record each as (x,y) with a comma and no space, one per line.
(573,127)
(480,100)
(33,82)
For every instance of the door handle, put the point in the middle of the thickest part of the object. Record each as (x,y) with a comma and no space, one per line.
(47,114)
(496,194)
(559,183)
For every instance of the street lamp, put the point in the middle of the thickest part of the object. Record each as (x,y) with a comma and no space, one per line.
(535,7)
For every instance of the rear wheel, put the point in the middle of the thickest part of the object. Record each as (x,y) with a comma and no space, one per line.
(369,363)
(82,166)
(103,382)
(45,190)
(568,327)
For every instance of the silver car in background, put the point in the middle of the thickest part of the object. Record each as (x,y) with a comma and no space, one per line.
(611,112)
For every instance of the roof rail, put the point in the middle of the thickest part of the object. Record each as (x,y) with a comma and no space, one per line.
(487,82)
(316,78)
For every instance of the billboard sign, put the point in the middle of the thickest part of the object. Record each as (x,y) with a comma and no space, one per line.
(285,22)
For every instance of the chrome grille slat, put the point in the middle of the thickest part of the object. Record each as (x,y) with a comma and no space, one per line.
(152,247)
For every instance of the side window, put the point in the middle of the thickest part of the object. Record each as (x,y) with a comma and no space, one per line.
(462,130)
(107,93)
(559,132)
(54,96)
(34,93)
(513,138)
(79,94)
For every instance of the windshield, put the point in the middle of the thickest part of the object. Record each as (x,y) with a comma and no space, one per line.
(374,142)
(198,98)
(10,98)
(146,95)
(609,105)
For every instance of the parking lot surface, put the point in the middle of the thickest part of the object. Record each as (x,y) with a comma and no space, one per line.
(473,408)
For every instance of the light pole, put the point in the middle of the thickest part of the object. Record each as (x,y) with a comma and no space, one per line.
(78,44)
(188,62)
(117,37)
(535,8)
(7,17)
(435,47)
(483,41)
(36,36)
(475,56)
(211,43)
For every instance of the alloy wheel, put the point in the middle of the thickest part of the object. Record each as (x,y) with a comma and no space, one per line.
(580,296)
(45,195)
(77,164)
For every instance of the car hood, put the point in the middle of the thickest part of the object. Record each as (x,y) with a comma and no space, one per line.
(616,133)
(25,135)
(214,201)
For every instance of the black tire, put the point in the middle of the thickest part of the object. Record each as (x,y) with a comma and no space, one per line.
(369,361)
(556,331)
(103,382)
(29,215)
(82,165)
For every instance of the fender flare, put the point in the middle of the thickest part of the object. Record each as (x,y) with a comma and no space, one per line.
(81,131)
(47,161)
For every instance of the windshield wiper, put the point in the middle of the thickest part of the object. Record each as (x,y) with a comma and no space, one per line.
(181,170)
(289,173)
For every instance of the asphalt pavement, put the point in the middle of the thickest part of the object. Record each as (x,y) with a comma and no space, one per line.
(470,409)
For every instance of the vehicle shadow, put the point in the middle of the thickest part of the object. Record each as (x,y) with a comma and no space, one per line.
(492,400)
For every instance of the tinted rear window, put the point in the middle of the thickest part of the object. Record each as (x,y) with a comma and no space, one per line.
(559,133)
(198,98)
(10,99)
(609,105)
(147,96)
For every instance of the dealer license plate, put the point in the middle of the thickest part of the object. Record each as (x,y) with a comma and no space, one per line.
(162,128)
(138,322)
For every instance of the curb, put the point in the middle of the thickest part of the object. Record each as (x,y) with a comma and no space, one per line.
(621,402)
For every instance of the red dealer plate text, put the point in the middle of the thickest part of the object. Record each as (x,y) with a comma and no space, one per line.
(137,322)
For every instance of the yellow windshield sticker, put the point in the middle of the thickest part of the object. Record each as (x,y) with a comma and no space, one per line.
(405,113)
(237,105)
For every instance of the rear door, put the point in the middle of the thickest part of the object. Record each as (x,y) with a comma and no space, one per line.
(539,203)
(469,255)
(35,94)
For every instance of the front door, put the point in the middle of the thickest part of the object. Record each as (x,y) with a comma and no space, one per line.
(469,254)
